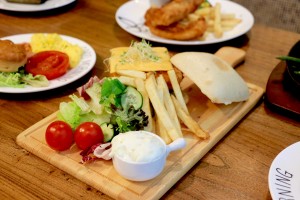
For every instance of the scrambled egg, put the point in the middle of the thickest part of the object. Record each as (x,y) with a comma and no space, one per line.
(44,42)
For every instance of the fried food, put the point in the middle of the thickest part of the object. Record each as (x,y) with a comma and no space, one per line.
(178,73)
(189,19)
(171,12)
(217,22)
(182,30)
(171,20)
(13,56)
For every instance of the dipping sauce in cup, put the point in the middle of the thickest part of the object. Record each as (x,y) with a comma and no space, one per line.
(141,155)
(137,146)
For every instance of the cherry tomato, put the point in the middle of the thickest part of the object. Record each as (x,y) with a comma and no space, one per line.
(51,64)
(59,135)
(87,134)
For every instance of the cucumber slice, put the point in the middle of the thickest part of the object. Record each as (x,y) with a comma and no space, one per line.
(132,97)
(108,131)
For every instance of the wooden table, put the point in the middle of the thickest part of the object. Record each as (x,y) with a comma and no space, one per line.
(236,168)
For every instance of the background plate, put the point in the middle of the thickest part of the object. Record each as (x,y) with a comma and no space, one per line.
(48,5)
(86,63)
(284,174)
(130,17)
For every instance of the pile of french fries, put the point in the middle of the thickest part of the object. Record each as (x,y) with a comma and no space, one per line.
(170,109)
(217,22)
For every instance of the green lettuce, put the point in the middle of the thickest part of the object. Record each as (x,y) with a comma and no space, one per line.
(103,107)
(20,79)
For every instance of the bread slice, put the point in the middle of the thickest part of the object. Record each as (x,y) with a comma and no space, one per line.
(215,77)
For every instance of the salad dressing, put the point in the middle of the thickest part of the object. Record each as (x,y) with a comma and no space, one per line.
(137,146)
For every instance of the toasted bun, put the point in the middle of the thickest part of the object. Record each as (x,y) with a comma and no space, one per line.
(12,56)
(215,77)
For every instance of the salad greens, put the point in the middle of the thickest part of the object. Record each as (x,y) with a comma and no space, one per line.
(111,92)
(104,107)
(20,79)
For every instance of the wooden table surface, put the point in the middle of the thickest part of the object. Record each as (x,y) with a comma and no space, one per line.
(236,168)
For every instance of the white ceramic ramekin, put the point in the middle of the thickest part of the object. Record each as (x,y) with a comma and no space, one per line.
(142,171)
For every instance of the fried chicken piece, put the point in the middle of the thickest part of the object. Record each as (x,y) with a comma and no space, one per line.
(171,12)
(183,30)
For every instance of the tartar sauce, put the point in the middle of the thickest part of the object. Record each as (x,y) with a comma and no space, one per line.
(137,146)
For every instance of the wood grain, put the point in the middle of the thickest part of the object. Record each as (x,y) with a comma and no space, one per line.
(235,168)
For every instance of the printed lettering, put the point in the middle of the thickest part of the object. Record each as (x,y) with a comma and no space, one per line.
(283,182)
(285,173)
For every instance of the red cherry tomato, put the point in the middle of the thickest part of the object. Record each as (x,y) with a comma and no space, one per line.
(51,64)
(59,135)
(87,134)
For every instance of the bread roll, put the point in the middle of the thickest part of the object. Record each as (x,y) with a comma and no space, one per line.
(13,56)
(215,77)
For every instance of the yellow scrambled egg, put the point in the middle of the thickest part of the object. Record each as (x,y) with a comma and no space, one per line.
(44,42)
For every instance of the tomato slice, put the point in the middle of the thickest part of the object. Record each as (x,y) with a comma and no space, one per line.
(51,64)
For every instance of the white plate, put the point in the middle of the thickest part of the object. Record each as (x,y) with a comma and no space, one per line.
(130,17)
(85,65)
(48,5)
(284,174)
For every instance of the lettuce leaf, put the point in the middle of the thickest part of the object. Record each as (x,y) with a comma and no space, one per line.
(20,79)
(111,92)
(70,112)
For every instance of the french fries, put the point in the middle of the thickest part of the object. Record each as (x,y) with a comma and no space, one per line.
(162,132)
(160,109)
(177,90)
(170,110)
(126,80)
(217,22)
(168,102)
(140,86)
(188,120)
(132,73)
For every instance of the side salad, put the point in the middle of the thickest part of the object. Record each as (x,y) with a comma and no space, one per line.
(20,78)
(115,107)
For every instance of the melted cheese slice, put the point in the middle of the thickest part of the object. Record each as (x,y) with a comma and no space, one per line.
(116,61)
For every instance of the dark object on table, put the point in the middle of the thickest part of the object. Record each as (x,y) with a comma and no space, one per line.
(293,69)
(27,1)
(283,87)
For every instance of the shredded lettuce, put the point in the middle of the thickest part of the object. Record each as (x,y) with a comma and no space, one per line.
(11,80)
(20,79)
(35,81)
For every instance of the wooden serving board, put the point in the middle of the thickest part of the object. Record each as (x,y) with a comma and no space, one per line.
(216,119)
